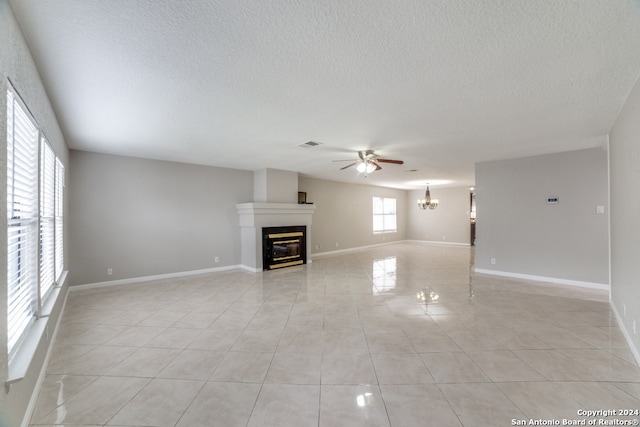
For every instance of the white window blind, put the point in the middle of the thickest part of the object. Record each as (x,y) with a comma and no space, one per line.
(384,215)
(59,222)
(47,217)
(22,219)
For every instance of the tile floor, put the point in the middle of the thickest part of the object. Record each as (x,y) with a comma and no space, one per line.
(400,335)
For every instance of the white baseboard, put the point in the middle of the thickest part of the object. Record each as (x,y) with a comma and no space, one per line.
(165,276)
(356,249)
(439,242)
(591,285)
(361,248)
(627,335)
(154,277)
(250,269)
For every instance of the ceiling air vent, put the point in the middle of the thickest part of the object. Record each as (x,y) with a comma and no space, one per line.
(309,144)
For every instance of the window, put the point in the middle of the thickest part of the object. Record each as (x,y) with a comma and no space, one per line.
(47,211)
(22,219)
(35,185)
(59,220)
(384,215)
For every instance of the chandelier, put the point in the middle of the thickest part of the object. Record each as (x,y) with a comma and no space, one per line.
(428,202)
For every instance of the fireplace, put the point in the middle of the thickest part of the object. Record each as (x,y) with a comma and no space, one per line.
(254,216)
(283,247)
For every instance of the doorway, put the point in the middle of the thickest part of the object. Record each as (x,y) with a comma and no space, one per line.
(472,215)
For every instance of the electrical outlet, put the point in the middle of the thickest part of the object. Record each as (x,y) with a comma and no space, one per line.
(624,310)
(216,259)
(109,271)
(634,326)
(337,244)
(493,261)
(444,237)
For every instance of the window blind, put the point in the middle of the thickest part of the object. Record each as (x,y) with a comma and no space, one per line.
(22,219)
(384,215)
(47,216)
(59,220)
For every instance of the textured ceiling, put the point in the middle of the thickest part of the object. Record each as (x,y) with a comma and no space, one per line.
(440,84)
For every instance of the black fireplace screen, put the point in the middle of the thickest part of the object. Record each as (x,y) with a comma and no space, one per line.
(286,249)
(283,247)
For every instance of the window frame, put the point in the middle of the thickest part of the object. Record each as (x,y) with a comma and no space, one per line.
(22,220)
(47,171)
(59,221)
(35,244)
(385,213)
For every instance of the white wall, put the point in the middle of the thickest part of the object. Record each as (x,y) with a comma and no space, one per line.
(625,217)
(17,65)
(526,235)
(448,223)
(147,217)
(343,216)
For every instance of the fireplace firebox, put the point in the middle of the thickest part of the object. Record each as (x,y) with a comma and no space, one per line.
(283,247)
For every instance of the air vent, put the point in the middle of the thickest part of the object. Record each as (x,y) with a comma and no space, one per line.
(309,144)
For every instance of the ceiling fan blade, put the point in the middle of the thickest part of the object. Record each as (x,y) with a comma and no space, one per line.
(348,166)
(369,157)
(395,162)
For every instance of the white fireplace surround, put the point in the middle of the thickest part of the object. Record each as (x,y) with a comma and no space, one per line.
(256,215)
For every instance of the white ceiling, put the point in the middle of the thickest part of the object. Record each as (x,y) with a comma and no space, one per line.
(440,84)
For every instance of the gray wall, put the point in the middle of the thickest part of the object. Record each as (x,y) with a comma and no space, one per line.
(343,217)
(147,217)
(625,216)
(17,65)
(526,235)
(448,223)
(275,186)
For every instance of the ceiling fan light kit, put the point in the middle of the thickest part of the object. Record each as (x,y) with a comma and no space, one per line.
(367,167)
(368,162)
(428,202)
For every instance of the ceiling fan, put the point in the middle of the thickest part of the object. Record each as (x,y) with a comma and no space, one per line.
(368,162)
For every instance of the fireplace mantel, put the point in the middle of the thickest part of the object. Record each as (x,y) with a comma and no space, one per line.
(253,211)
(255,215)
